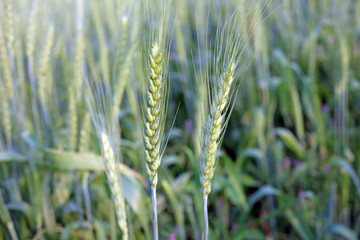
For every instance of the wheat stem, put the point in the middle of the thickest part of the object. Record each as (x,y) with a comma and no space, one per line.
(213,132)
(154,208)
(205,215)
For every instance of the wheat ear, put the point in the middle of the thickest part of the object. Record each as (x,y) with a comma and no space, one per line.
(215,126)
(9,21)
(115,184)
(7,90)
(44,68)
(153,128)
(99,100)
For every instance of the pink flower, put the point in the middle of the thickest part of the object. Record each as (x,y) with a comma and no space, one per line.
(286,162)
(172,236)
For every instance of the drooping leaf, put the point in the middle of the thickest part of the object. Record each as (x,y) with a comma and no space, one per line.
(350,170)
(290,141)
(262,192)
(11,157)
(297,221)
(342,230)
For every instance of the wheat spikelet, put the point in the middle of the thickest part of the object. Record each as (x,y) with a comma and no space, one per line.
(99,99)
(122,68)
(79,61)
(6,92)
(44,67)
(32,30)
(153,110)
(9,20)
(104,61)
(215,126)
(6,68)
(115,183)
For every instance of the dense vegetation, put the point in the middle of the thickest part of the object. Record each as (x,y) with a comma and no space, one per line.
(72,102)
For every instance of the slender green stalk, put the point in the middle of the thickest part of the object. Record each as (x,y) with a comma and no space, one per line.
(206,218)
(12,231)
(155,218)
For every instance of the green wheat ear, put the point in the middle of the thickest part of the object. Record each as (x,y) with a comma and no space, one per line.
(153,114)
(215,127)
(115,183)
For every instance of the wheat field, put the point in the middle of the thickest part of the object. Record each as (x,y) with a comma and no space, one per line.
(165,119)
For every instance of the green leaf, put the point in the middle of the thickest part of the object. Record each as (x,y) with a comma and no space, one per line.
(6,218)
(348,168)
(134,196)
(24,208)
(78,161)
(86,162)
(342,230)
(236,185)
(290,141)
(100,230)
(252,234)
(66,234)
(253,153)
(262,192)
(301,227)
(180,182)
(31,140)
(11,157)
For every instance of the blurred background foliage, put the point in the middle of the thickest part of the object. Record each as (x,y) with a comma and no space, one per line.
(289,166)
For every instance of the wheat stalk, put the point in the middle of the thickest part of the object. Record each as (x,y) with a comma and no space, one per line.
(213,135)
(220,77)
(99,101)
(30,50)
(154,123)
(155,92)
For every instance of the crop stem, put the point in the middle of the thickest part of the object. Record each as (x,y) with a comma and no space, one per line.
(206,219)
(154,209)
